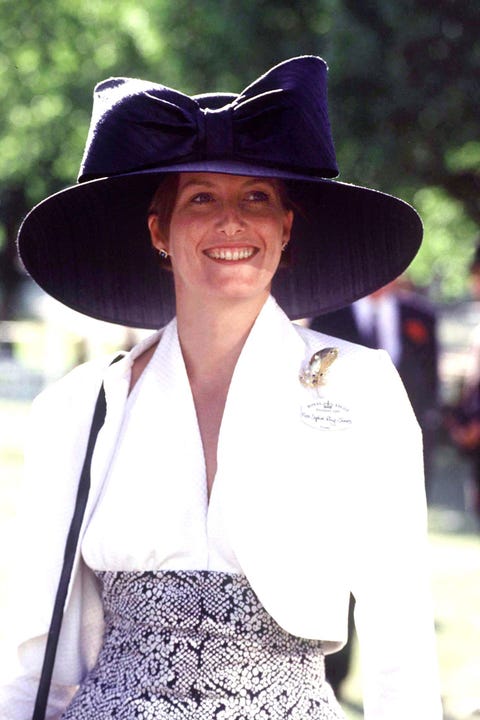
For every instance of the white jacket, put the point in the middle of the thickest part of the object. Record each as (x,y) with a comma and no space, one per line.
(312,512)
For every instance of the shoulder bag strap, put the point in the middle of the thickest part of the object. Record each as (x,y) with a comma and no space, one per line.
(68,558)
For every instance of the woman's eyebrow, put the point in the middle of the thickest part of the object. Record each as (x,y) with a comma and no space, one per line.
(210,184)
(256,180)
(196,183)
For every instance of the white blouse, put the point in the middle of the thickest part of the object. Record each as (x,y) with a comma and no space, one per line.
(124,532)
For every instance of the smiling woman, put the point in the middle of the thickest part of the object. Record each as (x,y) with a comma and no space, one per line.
(236,445)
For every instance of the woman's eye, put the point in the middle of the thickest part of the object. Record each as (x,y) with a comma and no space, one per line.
(201,198)
(257,196)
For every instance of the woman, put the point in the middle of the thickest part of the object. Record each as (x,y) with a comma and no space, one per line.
(238,449)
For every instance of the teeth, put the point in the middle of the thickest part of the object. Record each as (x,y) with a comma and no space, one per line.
(227,254)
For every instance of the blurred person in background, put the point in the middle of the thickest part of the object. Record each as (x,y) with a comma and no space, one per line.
(464,419)
(236,445)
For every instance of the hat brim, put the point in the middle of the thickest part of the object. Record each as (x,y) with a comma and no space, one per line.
(88,246)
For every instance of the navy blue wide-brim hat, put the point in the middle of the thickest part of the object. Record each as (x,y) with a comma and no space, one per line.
(89,247)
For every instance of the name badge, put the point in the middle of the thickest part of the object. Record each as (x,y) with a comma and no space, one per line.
(325,414)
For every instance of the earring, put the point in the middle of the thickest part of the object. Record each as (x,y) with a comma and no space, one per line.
(284,246)
(163,254)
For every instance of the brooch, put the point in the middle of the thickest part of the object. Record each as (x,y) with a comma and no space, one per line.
(322,413)
(314,375)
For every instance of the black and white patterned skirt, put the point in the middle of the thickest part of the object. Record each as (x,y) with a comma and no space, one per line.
(198,646)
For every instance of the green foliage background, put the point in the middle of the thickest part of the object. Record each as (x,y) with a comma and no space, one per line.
(404,96)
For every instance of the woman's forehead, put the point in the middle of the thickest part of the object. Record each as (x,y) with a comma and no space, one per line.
(209,179)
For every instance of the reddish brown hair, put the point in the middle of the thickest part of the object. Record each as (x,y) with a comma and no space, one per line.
(162,205)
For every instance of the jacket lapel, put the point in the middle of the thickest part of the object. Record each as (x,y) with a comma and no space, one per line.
(156,444)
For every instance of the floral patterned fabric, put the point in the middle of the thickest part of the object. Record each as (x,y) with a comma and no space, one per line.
(198,645)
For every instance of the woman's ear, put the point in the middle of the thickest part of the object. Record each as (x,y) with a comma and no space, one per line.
(157,237)
(287,227)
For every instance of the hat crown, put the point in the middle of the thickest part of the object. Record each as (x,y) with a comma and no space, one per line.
(217,132)
(280,121)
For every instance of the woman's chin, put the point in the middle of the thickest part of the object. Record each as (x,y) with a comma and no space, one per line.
(239,293)
(242,280)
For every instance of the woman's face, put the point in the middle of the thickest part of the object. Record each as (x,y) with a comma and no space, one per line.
(226,235)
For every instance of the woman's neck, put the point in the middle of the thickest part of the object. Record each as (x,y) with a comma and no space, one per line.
(212,338)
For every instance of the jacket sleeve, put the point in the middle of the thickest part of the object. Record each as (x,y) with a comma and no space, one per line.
(390,557)
(54,451)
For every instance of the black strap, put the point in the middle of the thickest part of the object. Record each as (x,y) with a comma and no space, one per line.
(68,558)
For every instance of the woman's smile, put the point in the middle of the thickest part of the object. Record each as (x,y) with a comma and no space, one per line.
(230,254)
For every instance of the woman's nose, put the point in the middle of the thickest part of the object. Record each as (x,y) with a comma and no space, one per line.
(230,220)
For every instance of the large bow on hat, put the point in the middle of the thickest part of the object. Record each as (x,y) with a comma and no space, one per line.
(278,121)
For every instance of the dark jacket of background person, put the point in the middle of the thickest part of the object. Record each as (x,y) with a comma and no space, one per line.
(463,422)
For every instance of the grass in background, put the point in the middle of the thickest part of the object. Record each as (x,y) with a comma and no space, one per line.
(456,578)
(455,562)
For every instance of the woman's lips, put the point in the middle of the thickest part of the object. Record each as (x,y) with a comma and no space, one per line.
(231,254)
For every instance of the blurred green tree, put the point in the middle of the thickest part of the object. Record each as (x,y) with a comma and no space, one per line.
(403,89)
(405,85)
(52,52)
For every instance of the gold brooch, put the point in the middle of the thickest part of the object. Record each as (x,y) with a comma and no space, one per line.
(314,375)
